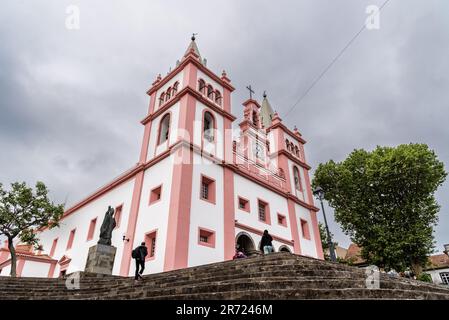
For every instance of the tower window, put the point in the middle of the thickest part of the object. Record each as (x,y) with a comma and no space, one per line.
(168,94)
(207,189)
(255,122)
(208,126)
(164,129)
(287,144)
(161,99)
(201,86)
(210,92)
(175,88)
(218,99)
(297,178)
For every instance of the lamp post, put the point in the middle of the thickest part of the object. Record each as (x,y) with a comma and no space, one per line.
(319,193)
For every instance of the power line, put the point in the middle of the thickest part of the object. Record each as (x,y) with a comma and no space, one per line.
(332,62)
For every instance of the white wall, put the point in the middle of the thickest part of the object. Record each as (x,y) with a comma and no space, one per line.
(308,247)
(206,215)
(155,216)
(278,204)
(80,220)
(435,274)
(5,271)
(35,269)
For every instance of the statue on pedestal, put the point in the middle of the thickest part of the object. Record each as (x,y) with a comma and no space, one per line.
(107,227)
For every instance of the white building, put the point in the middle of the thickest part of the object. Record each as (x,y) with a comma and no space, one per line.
(197,188)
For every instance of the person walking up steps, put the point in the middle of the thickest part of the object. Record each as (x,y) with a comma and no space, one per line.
(265,244)
(139,254)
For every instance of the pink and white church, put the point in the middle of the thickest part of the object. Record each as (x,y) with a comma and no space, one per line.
(201,186)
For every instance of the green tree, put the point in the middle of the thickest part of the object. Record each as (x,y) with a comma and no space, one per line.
(384,200)
(23,211)
(325,240)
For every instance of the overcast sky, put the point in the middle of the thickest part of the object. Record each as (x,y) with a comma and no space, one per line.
(71,100)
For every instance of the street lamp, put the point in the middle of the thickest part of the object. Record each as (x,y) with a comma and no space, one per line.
(319,193)
(446,249)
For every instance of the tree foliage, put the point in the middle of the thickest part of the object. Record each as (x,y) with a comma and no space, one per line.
(384,200)
(23,211)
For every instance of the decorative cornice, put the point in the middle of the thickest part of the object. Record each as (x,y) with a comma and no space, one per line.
(187,60)
(178,96)
(287,130)
(290,157)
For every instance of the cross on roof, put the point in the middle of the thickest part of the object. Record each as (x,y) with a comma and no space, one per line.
(251,91)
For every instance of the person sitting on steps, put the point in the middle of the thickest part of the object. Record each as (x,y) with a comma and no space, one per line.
(265,244)
(139,254)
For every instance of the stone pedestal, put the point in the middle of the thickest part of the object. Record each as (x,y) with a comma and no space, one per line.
(100,259)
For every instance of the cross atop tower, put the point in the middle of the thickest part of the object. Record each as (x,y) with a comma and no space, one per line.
(251,91)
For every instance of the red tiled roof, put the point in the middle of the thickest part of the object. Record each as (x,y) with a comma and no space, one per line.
(438,261)
(354,254)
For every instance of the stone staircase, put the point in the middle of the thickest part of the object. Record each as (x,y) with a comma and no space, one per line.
(276,276)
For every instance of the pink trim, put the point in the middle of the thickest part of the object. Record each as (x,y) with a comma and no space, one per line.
(149,238)
(211,191)
(90,233)
(260,233)
(267,211)
(147,132)
(294,226)
(20,265)
(154,195)
(316,235)
(305,229)
(132,221)
(287,130)
(177,244)
(210,234)
(51,270)
(53,247)
(283,219)
(118,215)
(228,184)
(71,238)
(247,206)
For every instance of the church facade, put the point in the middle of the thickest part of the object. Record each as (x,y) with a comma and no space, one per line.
(200,186)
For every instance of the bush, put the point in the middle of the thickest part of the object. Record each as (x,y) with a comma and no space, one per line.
(424,277)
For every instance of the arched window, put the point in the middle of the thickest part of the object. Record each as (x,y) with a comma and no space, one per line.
(208,126)
(217,97)
(175,88)
(297,151)
(255,118)
(164,129)
(210,92)
(297,178)
(287,144)
(161,99)
(202,86)
(168,94)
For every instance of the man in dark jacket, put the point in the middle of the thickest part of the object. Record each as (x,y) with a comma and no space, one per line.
(141,253)
(265,244)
